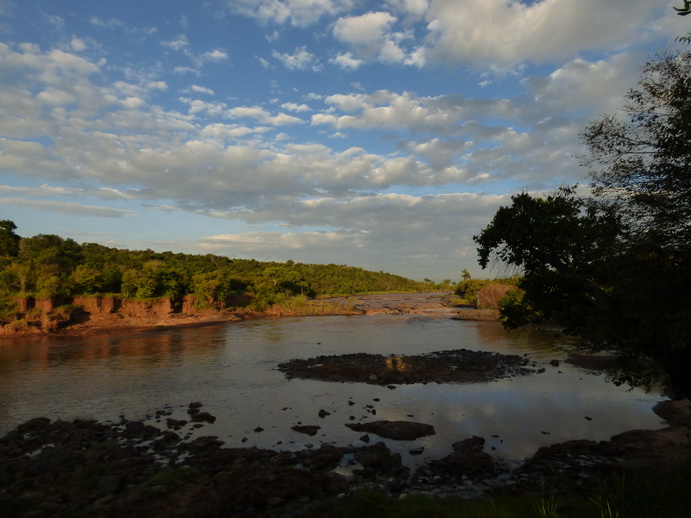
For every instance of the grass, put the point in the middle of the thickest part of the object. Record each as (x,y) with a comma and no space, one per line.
(303,307)
(168,480)
(665,496)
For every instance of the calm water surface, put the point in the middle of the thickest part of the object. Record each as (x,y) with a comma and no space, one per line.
(231,369)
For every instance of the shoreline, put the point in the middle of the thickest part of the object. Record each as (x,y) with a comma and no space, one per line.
(147,319)
(129,468)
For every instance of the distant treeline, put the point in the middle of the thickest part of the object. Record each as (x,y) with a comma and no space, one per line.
(47,265)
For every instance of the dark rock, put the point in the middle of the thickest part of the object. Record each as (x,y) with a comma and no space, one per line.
(175,423)
(109,484)
(323,413)
(204,417)
(470,445)
(310,430)
(417,451)
(397,430)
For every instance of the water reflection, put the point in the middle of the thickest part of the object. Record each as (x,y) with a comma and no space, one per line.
(232,370)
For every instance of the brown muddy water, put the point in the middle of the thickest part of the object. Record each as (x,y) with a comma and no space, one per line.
(231,369)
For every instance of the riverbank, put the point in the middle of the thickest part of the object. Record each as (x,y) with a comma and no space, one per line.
(110,315)
(129,468)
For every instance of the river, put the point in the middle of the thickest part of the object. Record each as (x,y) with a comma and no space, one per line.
(231,369)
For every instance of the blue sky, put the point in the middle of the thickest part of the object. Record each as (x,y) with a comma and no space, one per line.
(376,134)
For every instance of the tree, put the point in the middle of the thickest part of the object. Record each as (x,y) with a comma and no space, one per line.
(642,162)
(614,267)
(9,241)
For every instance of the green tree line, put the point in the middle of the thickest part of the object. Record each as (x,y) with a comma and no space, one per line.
(48,265)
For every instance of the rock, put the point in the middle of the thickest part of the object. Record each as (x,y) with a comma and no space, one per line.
(554,363)
(310,430)
(472,444)
(275,501)
(416,451)
(323,413)
(109,484)
(203,416)
(175,423)
(397,430)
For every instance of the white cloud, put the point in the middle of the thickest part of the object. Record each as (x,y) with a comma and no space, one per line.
(301,59)
(347,61)
(179,44)
(77,44)
(294,107)
(299,13)
(197,106)
(67,208)
(202,89)
(262,116)
(214,55)
(229,131)
(504,33)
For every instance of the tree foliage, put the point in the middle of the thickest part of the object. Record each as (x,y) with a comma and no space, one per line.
(47,265)
(9,241)
(614,266)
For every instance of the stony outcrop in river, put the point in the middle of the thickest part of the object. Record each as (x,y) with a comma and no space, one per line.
(459,366)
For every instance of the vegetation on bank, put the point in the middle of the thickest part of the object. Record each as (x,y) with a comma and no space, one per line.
(634,497)
(49,266)
(468,288)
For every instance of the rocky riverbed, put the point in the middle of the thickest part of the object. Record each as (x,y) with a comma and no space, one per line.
(457,366)
(129,468)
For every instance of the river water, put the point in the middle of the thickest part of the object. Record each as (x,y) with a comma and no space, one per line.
(231,369)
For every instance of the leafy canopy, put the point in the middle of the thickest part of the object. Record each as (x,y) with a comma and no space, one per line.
(614,266)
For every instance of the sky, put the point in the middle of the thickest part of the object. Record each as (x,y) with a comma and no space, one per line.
(377,134)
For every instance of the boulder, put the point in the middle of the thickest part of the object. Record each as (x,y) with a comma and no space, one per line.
(397,430)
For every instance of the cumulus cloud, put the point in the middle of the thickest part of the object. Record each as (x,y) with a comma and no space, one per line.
(301,59)
(294,107)
(371,36)
(201,89)
(504,33)
(214,55)
(347,61)
(210,154)
(442,140)
(299,13)
(262,116)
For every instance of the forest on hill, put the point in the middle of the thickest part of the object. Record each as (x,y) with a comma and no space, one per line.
(49,266)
